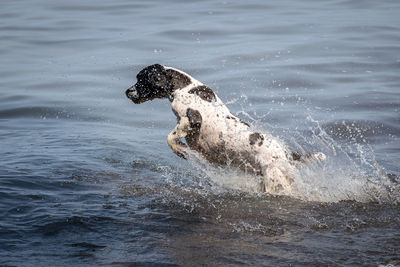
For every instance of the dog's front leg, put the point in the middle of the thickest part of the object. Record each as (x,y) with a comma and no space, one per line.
(180,131)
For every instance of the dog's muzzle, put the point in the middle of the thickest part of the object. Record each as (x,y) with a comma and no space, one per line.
(132,93)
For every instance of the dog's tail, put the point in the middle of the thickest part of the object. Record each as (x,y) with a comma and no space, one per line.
(309,157)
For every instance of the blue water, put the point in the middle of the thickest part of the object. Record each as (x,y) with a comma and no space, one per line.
(87,178)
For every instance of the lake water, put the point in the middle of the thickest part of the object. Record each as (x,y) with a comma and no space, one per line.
(87,177)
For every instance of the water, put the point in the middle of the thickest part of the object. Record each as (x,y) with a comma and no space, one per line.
(86,177)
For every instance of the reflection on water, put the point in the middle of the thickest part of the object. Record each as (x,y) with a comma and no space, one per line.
(87,178)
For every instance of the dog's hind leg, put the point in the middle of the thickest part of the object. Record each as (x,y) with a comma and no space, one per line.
(173,139)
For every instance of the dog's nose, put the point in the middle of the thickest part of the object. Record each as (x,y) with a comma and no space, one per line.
(131,92)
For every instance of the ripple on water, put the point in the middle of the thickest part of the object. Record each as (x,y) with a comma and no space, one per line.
(87,178)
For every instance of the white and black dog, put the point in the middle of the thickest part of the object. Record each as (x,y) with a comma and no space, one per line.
(210,128)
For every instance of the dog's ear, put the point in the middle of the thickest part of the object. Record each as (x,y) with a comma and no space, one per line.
(179,80)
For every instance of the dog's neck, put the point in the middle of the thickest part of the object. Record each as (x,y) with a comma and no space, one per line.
(180,81)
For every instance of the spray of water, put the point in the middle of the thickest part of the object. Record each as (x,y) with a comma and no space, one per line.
(350,171)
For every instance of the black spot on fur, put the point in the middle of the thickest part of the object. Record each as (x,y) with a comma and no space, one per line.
(178,80)
(302,158)
(219,153)
(192,138)
(254,137)
(236,119)
(243,160)
(296,156)
(195,118)
(204,92)
(245,123)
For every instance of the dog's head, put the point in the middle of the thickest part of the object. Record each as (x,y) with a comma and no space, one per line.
(152,82)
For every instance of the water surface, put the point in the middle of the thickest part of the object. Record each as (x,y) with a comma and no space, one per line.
(87,178)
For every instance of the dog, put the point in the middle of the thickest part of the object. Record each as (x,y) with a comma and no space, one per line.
(209,128)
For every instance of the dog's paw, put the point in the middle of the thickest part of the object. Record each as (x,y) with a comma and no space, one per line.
(183,127)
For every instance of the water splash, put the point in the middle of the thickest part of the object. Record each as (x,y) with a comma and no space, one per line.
(350,172)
